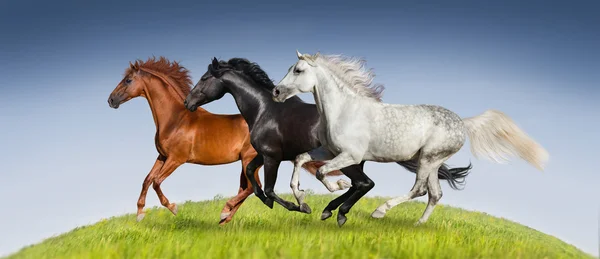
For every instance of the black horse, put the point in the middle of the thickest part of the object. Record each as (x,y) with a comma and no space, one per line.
(281,131)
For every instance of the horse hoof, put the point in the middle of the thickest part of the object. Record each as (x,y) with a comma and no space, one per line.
(140,216)
(269,203)
(326,214)
(224,216)
(341,220)
(377,214)
(224,221)
(173,208)
(419,223)
(305,208)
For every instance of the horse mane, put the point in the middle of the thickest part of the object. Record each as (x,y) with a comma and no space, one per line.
(173,70)
(352,72)
(252,70)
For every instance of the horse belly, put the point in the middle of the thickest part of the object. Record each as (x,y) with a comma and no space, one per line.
(393,147)
(212,151)
(215,158)
(391,154)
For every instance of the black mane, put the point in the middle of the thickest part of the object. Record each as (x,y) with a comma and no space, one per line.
(253,71)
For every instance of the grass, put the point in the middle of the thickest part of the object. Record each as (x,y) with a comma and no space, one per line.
(259,232)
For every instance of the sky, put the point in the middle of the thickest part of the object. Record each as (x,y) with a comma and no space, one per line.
(70,160)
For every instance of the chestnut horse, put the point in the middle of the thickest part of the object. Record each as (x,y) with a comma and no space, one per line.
(181,136)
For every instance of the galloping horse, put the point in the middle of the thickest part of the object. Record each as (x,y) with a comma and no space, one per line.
(182,136)
(360,127)
(281,131)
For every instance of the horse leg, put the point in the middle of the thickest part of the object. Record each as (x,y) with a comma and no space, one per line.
(363,185)
(435,194)
(233,204)
(249,191)
(342,160)
(319,154)
(253,177)
(419,189)
(160,160)
(295,182)
(167,169)
(246,190)
(335,203)
(355,174)
(433,183)
(271,167)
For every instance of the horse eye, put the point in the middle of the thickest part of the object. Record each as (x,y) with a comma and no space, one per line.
(128,80)
(297,71)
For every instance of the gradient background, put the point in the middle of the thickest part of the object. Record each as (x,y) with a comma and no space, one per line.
(71,160)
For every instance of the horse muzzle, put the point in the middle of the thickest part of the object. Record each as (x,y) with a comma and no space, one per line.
(278,96)
(114,102)
(192,102)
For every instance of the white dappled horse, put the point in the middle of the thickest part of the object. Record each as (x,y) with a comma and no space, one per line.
(360,127)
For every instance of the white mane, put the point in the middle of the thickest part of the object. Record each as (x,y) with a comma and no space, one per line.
(353,72)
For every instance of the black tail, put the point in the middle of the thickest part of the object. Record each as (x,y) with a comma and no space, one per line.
(454,176)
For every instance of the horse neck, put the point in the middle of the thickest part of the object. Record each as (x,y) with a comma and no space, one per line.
(166,106)
(329,98)
(250,98)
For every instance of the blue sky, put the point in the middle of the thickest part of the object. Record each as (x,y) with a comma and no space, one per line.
(71,160)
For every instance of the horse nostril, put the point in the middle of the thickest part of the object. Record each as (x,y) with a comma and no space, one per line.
(276,92)
(185,102)
(110,100)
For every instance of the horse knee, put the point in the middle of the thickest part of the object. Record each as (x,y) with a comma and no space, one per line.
(156,185)
(364,185)
(302,158)
(250,172)
(147,183)
(319,175)
(420,188)
(435,196)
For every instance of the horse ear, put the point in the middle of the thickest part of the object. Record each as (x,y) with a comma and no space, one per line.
(215,63)
(213,68)
(298,54)
(310,60)
(134,66)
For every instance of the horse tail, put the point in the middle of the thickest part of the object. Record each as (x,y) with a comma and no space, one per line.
(495,136)
(313,166)
(455,176)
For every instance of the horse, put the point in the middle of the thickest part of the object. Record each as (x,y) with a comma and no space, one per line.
(181,136)
(359,127)
(281,131)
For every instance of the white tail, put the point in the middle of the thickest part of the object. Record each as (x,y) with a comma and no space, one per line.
(495,136)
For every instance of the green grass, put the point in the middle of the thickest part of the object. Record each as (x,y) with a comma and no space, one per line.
(259,232)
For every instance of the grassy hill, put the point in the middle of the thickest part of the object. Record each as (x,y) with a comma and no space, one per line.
(259,232)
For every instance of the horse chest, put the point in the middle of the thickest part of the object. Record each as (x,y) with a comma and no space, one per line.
(167,146)
(331,140)
(262,140)
(161,147)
